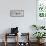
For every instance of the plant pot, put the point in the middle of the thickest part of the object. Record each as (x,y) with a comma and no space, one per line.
(40,41)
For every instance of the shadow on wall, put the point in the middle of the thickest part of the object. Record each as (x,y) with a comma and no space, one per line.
(32,30)
(7,30)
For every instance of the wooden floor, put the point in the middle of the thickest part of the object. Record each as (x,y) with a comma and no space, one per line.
(13,44)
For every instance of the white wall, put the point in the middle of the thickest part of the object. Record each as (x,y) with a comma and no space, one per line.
(24,23)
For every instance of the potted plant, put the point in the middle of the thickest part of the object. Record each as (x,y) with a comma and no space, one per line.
(38,27)
(42,27)
(35,26)
(39,35)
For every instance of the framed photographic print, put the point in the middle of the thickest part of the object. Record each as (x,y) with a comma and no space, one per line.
(17,13)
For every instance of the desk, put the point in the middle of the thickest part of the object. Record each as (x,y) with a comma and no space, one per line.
(17,43)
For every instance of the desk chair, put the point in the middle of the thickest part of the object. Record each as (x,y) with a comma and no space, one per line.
(8,35)
(26,37)
(14,32)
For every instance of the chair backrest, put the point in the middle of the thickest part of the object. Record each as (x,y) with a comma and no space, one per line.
(14,30)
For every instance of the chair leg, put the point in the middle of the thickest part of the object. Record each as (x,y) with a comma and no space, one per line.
(5,43)
(5,40)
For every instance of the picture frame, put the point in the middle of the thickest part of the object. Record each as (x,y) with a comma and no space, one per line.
(17,13)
